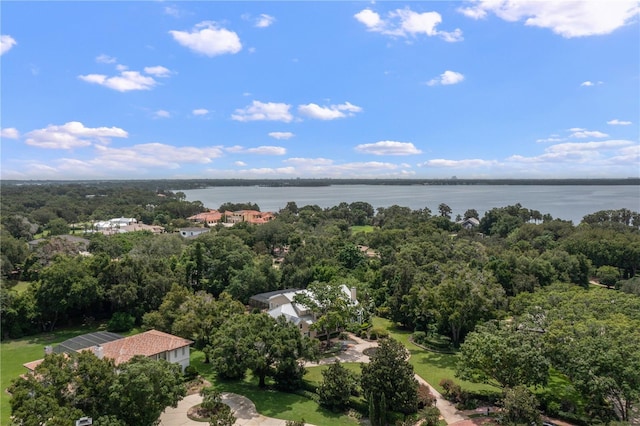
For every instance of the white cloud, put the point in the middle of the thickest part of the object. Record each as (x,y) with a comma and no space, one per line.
(446,78)
(589,83)
(126,81)
(407,23)
(9,133)
(281,135)
(72,135)
(173,11)
(208,39)
(309,162)
(566,18)
(369,18)
(162,114)
(105,59)
(240,164)
(468,163)
(158,71)
(260,150)
(388,148)
(156,155)
(264,21)
(6,43)
(575,152)
(200,111)
(331,112)
(616,122)
(260,111)
(583,133)
(550,139)
(267,150)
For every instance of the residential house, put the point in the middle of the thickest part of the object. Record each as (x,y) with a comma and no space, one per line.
(209,218)
(281,303)
(152,344)
(469,223)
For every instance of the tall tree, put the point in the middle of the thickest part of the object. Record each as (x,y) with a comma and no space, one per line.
(389,374)
(505,354)
(268,347)
(331,306)
(336,388)
(201,315)
(143,388)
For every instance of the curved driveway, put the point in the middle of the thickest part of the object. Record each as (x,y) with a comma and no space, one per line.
(247,415)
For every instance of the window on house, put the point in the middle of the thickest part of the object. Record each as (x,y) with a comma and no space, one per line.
(183,350)
(175,353)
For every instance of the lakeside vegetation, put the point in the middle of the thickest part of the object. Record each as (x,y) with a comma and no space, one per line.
(422,273)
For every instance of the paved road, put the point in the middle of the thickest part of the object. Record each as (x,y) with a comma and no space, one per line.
(247,415)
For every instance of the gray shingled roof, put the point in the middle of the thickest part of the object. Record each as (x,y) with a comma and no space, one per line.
(86,341)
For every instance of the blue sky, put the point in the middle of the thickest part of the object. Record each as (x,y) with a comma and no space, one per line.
(473,89)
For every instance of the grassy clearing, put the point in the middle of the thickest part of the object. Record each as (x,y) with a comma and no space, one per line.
(20,286)
(364,228)
(431,366)
(14,353)
(314,374)
(272,403)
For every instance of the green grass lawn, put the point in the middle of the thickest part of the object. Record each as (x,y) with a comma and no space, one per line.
(431,366)
(14,353)
(363,228)
(271,403)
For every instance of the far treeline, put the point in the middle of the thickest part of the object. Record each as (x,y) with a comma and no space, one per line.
(514,291)
(168,184)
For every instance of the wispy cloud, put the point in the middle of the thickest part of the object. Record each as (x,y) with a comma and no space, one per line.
(568,19)
(388,148)
(208,39)
(407,23)
(260,150)
(281,135)
(200,111)
(264,21)
(161,114)
(616,122)
(331,112)
(158,71)
(105,59)
(263,111)
(584,133)
(458,164)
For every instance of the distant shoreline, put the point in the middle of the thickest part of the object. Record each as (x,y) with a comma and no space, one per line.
(180,184)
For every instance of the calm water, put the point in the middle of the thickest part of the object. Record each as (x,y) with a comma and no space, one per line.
(563,202)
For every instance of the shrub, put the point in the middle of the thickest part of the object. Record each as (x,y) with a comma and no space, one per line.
(425,397)
(295,422)
(419,337)
(378,333)
(190,373)
(121,321)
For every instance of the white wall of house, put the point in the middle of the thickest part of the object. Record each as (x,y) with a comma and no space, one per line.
(179,356)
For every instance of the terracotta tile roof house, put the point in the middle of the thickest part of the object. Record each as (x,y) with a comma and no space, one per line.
(210,217)
(152,344)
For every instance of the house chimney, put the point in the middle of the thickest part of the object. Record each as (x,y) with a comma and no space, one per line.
(48,350)
(353,294)
(98,351)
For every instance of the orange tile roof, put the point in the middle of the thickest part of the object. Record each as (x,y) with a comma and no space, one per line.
(149,343)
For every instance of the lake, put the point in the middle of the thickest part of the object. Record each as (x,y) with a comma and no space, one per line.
(567,202)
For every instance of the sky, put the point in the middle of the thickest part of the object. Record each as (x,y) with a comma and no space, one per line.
(332,89)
